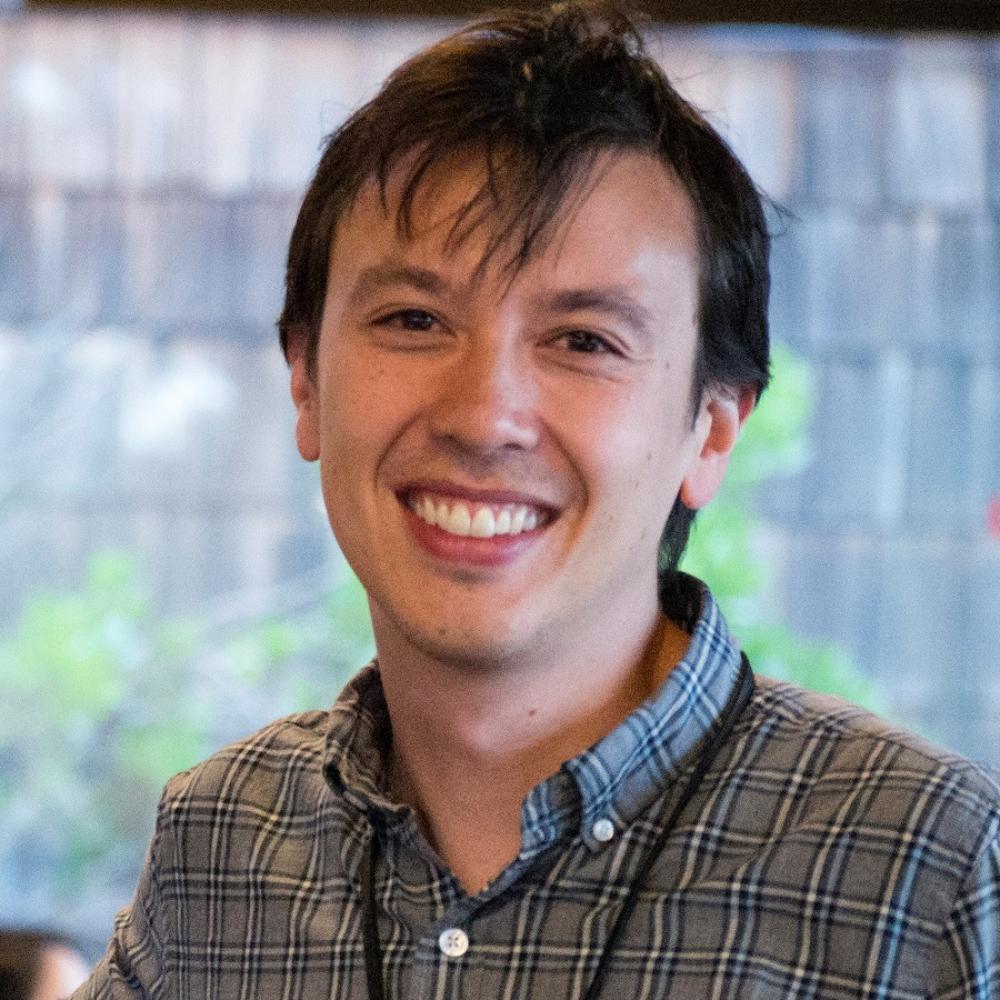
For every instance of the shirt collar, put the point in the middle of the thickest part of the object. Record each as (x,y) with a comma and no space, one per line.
(637,761)
(357,742)
(614,780)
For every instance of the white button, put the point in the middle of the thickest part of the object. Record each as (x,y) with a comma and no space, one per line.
(453,942)
(603,830)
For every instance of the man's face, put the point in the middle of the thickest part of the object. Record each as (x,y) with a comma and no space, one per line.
(499,454)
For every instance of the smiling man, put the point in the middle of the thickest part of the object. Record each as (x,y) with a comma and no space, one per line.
(526,320)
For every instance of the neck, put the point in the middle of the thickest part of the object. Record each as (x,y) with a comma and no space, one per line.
(469,744)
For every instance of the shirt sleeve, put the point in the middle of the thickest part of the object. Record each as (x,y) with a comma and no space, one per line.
(968,957)
(133,966)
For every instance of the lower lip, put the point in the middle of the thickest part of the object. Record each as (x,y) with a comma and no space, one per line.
(466,550)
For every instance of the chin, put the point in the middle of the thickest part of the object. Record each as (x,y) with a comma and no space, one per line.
(473,648)
(476,650)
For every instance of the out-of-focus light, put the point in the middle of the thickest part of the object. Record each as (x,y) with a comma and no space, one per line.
(993,517)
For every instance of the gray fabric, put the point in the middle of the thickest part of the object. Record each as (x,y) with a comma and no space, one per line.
(825,855)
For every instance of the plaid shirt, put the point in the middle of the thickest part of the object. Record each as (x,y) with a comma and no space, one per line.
(824,855)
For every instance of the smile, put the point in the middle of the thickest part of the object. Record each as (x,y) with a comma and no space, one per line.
(476,520)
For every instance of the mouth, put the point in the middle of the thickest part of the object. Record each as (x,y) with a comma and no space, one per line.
(482,518)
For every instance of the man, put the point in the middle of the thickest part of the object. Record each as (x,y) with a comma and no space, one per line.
(526,320)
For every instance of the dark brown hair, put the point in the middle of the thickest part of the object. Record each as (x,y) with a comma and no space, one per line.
(539,94)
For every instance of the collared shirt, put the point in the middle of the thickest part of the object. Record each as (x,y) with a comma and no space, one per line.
(823,855)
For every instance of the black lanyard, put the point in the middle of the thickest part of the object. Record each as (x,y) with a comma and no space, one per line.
(738,700)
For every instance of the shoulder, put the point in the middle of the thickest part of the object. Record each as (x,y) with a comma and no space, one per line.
(871,772)
(279,766)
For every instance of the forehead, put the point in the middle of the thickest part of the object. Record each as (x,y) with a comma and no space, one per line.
(501,220)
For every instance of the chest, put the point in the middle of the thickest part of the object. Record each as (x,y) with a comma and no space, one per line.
(716,917)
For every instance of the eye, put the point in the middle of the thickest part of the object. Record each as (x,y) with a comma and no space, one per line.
(587,342)
(417,320)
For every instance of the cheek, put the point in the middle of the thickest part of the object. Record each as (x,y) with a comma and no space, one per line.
(613,440)
(365,411)
(354,401)
(346,436)
(640,454)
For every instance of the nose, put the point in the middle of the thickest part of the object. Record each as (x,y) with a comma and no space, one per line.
(487,400)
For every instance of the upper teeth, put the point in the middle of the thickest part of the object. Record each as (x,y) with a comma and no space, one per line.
(478,521)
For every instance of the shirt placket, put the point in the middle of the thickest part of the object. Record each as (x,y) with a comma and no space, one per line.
(445,961)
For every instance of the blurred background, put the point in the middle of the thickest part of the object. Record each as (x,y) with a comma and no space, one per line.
(167,579)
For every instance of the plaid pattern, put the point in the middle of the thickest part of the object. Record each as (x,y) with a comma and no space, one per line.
(824,856)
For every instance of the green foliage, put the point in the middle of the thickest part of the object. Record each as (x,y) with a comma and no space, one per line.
(104,700)
(76,637)
(722,546)
(293,663)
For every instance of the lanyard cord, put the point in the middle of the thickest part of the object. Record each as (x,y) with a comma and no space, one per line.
(369,917)
(738,700)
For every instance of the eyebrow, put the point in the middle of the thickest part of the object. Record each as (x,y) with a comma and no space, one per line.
(614,300)
(378,276)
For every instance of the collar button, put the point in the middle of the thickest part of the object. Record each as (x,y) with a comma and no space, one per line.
(603,830)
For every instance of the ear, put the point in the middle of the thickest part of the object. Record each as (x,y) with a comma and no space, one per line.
(721,416)
(305,396)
